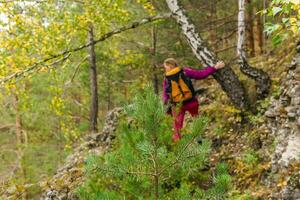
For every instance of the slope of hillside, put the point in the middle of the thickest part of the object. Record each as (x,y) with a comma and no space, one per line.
(262,150)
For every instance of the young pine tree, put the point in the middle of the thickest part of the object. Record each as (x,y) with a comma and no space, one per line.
(144,163)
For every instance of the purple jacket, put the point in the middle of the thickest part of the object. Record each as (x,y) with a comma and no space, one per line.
(192,74)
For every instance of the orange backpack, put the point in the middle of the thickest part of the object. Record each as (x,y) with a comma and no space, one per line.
(180,87)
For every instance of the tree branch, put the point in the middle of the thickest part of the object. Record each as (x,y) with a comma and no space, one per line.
(177,159)
(77,69)
(20,1)
(123,172)
(102,38)
(34,67)
(7,126)
(225,48)
(224,37)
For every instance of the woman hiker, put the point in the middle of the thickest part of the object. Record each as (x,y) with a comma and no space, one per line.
(179,93)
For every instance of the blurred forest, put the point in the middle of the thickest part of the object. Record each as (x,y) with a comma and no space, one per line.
(64,64)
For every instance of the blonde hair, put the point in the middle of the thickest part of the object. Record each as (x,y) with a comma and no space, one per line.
(171,61)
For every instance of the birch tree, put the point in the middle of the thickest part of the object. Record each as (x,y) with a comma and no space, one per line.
(262,79)
(225,77)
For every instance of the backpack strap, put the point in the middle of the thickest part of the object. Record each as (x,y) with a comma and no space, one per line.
(188,82)
(169,89)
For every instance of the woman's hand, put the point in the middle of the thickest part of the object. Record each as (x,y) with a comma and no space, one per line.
(220,65)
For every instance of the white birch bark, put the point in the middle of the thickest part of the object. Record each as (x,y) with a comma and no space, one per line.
(241,29)
(197,44)
(262,79)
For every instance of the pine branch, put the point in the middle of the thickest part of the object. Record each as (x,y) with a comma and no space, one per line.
(100,39)
(123,171)
(178,158)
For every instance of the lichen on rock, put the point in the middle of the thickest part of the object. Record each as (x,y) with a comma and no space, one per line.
(283,121)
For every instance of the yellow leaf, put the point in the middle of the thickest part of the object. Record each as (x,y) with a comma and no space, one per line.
(281,184)
(293,20)
(294,29)
(297,2)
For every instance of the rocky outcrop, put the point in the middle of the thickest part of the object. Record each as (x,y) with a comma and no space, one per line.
(63,184)
(71,175)
(283,121)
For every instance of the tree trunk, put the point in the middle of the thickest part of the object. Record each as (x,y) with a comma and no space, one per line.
(258,31)
(213,16)
(20,138)
(153,52)
(109,103)
(249,28)
(21,141)
(226,76)
(262,79)
(155,165)
(260,35)
(93,82)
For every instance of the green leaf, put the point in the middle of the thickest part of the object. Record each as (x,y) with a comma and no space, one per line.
(276,10)
(271,28)
(285,20)
(276,40)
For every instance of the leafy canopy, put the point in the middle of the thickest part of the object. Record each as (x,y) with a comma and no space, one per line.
(285,15)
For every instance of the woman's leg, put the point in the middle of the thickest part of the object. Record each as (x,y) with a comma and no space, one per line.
(193,108)
(178,115)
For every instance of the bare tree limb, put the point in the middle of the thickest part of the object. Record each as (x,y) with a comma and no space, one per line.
(7,126)
(36,65)
(21,1)
(224,37)
(225,49)
(76,70)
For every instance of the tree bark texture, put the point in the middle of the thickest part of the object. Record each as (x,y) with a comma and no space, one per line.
(154,66)
(249,28)
(258,31)
(22,140)
(262,79)
(93,81)
(213,16)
